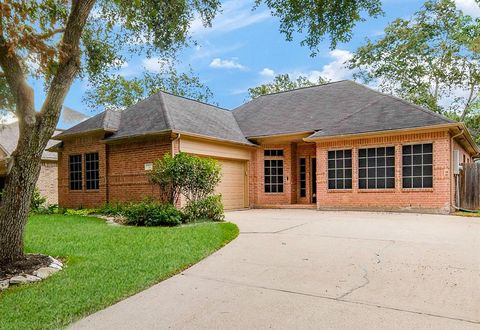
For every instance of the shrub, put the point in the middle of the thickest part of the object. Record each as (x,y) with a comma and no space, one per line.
(207,209)
(150,213)
(187,175)
(48,209)
(111,209)
(38,201)
(80,212)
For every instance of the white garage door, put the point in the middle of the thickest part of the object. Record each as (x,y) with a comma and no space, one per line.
(233,184)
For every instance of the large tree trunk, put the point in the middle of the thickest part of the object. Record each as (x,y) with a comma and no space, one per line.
(35,128)
(16,198)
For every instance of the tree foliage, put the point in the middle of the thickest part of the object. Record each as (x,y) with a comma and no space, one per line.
(427,59)
(316,19)
(282,83)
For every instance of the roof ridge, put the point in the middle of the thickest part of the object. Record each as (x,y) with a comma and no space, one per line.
(163,105)
(201,102)
(359,110)
(305,87)
(428,111)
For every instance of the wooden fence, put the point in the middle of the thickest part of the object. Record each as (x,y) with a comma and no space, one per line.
(469,186)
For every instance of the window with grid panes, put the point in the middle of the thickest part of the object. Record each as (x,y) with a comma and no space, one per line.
(75,167)
(340,169)
(376,168)
(303,177)
(92,172)
(417,166)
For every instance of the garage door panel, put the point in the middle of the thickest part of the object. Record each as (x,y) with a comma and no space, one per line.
(233,183)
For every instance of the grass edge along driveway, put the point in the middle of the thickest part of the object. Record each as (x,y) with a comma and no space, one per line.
(105,264)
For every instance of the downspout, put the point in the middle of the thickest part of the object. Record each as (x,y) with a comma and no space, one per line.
(173,143)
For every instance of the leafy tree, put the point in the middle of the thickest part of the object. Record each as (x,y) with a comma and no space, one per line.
(57,41)
(281,83)
(427,59)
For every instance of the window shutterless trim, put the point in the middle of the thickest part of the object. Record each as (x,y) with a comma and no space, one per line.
(75,172)
(339,169)
(376,168)
(417,166)
(92,171)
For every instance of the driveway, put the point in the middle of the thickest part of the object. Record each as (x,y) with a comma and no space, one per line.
(310,269)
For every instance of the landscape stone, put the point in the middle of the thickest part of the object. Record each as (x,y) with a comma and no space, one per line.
(45,272)
(55,261)
(56,266)
(18,280)
(4,285)
(32,278)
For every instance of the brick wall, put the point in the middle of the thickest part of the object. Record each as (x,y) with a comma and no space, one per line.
(48,181)
(81,198)
(436,199)
(127,178)
(122,170)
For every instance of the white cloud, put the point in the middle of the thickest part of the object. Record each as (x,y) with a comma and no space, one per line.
(154,64)
(267,72)
(234,15)
(334,70)
(469,7)
(207,49)
(218,63)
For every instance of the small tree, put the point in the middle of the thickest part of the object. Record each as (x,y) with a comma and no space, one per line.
(282,83)
(187,175)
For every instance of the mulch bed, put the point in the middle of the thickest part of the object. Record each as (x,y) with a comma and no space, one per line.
(27,265)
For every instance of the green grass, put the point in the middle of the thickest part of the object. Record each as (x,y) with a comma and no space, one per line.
(467,214)
(105,264)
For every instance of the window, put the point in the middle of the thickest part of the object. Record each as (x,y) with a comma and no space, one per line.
(303,177)
(273,175)
(273,153)
(92,175)
(75,172)
(376,168)
(340,169)
(417,166)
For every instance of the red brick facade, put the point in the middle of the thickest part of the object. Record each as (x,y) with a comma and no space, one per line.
(438,199)
(122,170)
(123,176)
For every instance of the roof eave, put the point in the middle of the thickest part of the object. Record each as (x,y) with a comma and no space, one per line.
(390,131)
(63,135)
(206,137)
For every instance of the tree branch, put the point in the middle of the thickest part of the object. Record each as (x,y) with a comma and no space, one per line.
(22,93)
(69,63)
(48,34)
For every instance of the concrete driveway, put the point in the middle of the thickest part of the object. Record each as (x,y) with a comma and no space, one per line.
(309,269)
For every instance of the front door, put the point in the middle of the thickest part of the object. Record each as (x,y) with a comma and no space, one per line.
(313,176)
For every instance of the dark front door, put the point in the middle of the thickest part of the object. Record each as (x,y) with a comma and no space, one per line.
(314,179)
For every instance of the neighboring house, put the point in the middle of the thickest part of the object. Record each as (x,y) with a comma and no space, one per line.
(47,181)
(335,146)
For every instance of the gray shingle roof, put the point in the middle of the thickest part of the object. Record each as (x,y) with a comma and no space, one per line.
(163,112)
(9,138)
(107,120)
(339,108)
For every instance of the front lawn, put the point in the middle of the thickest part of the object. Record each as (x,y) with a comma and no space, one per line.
(105,264)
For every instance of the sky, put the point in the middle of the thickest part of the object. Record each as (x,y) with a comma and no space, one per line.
(244,48)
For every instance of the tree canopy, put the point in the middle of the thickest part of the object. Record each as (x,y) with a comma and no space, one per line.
(282,83)
(428,59)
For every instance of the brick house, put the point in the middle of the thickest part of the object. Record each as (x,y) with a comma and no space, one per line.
(336,146)
(47,181)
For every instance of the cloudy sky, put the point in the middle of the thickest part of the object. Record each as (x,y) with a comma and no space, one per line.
(244,49)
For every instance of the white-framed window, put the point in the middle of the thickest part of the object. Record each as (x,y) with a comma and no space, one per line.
(417,165)
(75,167)
(273,170)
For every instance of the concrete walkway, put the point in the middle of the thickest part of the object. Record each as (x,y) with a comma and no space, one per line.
(309,269)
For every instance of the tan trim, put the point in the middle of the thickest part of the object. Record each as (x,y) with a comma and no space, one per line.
(212,148)
(205,137)
(280,135)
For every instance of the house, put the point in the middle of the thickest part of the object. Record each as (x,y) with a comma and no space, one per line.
(47,181)
(340,145)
